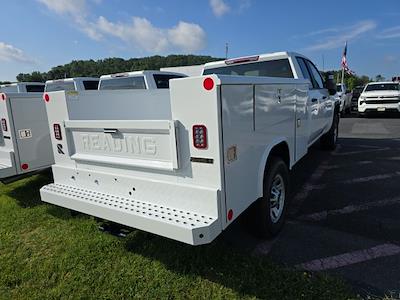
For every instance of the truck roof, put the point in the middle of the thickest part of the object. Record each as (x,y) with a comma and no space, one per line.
(139,73)
(18,87)
(252,58)
(383,82)
(71,79)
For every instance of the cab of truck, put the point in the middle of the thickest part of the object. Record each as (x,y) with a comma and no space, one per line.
(72,84)
(139,80)
(22,87)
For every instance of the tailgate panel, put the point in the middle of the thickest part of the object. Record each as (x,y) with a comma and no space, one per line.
(144,144)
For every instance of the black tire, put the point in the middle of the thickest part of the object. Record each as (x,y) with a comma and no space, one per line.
(329,139)
(264,225)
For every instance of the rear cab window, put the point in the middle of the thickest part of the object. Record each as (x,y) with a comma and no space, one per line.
(34,88)
(91,84)
(60,86)
(123,83)
(162,80)
(273,68)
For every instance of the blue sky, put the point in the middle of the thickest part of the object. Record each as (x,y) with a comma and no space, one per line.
(40,34)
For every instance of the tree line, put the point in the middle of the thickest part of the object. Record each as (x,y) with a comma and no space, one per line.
(96,68)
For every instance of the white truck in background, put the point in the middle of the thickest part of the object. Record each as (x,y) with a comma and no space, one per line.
(138,80)
(22,87)
(184,163)
(379,97)
(25,145)
(72,84)
(344,96)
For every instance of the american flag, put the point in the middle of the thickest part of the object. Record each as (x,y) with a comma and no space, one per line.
(345,66)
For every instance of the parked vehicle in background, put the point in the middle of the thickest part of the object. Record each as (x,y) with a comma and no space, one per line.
(139,80)
(22,87)
(380,97)
(354,98)
(25,145)
(184,163)
(72,84)
(344,96)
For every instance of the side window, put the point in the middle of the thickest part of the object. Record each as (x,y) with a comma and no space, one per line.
(318,82)
(304,69)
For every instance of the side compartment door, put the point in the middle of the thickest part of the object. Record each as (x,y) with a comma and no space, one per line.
(32,133)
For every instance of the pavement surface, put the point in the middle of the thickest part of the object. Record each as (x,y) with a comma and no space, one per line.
(344,218)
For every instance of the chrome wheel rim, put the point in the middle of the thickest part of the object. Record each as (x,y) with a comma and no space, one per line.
(277,198)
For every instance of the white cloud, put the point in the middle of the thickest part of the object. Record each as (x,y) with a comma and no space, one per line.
(219,7)
(336,37)
(11,53)
(140,32)
(390,33)
(187,36)
(72,7)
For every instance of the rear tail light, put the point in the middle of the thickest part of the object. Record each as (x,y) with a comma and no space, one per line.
(3,97)
(200,136)
(46,97)
(57,131)
(4,124)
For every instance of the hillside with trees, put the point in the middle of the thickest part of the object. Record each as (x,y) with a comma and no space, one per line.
(96,68)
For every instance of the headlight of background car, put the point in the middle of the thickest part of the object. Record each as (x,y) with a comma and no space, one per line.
(361,101)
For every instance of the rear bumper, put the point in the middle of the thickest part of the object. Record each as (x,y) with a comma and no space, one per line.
(393,107)
(181,225)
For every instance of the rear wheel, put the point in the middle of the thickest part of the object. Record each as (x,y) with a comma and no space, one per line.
(329,139)
(271,209)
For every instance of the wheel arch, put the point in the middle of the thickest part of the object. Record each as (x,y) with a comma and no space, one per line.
(279,148)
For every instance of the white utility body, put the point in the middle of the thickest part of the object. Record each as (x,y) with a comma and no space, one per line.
(138,80)
(184,163)
(380,97)
(25,144)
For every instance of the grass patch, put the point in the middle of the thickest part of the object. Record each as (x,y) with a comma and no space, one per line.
(45,253)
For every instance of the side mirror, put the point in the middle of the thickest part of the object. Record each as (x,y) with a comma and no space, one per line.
(330,84)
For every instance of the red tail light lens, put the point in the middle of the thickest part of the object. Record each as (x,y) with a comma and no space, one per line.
(57,131)
(208,84)
(3,97)
(24,166)
(4,124)
(46,97)
(200,137)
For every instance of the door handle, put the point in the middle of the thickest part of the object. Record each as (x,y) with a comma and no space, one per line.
(110,130)
(324,97)
(313,100)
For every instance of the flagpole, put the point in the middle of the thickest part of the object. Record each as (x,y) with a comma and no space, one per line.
(342,75)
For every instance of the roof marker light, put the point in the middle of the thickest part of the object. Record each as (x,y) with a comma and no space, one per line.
(241,60)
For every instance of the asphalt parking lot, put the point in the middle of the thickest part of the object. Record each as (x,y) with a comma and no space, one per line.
(344,216)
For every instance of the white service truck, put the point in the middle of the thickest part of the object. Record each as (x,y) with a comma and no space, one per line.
(379,97)
(184,163)
(344,96)
(138,80)
(25,145)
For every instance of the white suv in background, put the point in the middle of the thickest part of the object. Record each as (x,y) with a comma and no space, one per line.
(380,97)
